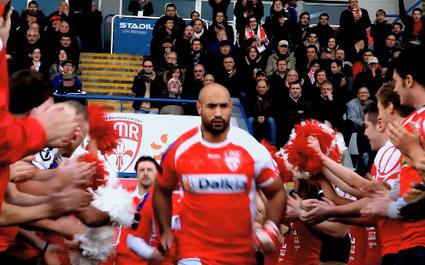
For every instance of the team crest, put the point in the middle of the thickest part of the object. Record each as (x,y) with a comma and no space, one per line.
(232,160)
(129,142)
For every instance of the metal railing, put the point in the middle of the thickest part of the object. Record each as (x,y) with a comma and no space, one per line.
(238,111)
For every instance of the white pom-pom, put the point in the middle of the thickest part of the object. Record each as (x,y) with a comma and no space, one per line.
(96,244)
(117,202)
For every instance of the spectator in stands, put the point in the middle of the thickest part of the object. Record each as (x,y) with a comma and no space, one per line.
(70,84)
(63,11)
(340,80)
(23,51)
(347,66)
(56,67)
(353,23)
(279,27)
(173,91)
(304,60)
(310,41)
(158,54)
(209,79)
(174,72)
(292,76)
(255,35)
(372,78)
(301,30)
(194,15)
(361,66)
(200,32)
(170,11)
(145,85)
(261,113)
(414,26)
(323,30)
(36,63)
(195,82)
(282,52)
(356,51)
(252,60)
(145,6)
(183,46)
(380,30)
(167,32)
(328,107)
(295,107)
(70,47)
(278,78)
(34,9)
(310,78)
(355,109)
(215,61)
(386,53)
(68,69)
(244,9)
(397,30)
(219,24)
(231,78)
(219,5)
(331,46)
(92,42)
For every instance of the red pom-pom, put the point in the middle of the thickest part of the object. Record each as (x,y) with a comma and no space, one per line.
(101,131)
(301,160)
(99,177)
(284,173)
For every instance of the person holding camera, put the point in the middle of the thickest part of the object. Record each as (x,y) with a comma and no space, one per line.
(145,86)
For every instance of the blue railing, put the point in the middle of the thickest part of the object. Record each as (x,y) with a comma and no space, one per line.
(235,102)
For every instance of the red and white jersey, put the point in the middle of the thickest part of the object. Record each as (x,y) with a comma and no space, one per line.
(386,168)
(387,164)
(413,232)
(219,182)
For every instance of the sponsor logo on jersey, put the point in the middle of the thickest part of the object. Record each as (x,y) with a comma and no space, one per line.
(232,160)
(215,183)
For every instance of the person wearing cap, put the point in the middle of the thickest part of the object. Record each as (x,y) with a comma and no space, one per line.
(68,71)
(371,78)
(282,52)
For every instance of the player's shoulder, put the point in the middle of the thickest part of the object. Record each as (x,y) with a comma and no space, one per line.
(184,138)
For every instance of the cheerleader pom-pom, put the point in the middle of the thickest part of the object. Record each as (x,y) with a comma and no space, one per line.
(98,178)
(101,130)
(96,245)
(277,156)
(300,159)
(117,202)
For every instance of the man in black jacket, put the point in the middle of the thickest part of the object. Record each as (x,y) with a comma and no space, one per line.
(145,86)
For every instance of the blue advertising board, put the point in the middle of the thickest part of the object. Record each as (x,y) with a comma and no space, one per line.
(132,35)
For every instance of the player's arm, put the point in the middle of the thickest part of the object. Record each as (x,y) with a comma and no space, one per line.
(162,205)
(92,217)
(276,200)
(13,196)
(333,229)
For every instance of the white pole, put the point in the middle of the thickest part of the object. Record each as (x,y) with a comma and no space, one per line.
(99,5)
(120,10)
(198,7)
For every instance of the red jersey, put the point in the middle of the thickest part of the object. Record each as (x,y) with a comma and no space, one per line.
(373,249)
(145,230)
(285,256)
(219,182)
(413,232)
(306,245)
(358,238)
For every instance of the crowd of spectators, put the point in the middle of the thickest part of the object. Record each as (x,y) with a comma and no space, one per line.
(319,71)
(51,44)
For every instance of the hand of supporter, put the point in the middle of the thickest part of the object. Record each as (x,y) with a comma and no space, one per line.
(408,143)
(377,205)
(74,173)
(318,213)
(5,28)
(166,241)
(375,186)
(22,170)
(50,256)
(314,143)
(411,195)
(309,204)
(293,207)
(70,200)
(59,122)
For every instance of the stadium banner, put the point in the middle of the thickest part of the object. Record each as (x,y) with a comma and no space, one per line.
(132,35)
(145,135)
